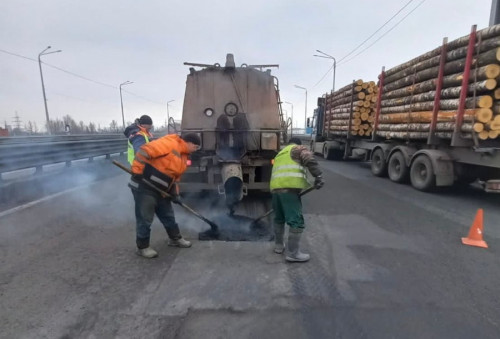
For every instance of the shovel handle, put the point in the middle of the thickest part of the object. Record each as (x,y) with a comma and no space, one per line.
(126,169)
(163,193)
(307,190)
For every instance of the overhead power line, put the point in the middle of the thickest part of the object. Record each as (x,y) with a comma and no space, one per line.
(373,43)
(387,32)
(79,76)
(378,30)
(323,77)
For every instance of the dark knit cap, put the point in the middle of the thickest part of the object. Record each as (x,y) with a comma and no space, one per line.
(145,120)
(295,141)
(192,137)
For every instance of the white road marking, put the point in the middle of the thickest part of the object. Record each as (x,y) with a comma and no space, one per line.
(36,202)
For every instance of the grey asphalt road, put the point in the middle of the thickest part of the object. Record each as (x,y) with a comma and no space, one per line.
(387,262)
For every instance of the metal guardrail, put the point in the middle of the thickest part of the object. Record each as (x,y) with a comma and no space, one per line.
(33,152)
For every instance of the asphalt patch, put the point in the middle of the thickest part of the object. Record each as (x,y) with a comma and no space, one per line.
(238,228)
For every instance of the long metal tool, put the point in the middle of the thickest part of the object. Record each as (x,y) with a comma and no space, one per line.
(213,226)
(307,190)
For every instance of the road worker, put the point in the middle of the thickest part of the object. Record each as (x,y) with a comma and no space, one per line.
(288,179)
(160,162)
(138,134)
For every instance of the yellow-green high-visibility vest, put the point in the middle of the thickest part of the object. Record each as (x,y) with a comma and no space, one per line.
(130,151)
(286,172)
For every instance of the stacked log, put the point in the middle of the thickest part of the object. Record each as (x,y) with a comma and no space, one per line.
(409,90)
(352,105)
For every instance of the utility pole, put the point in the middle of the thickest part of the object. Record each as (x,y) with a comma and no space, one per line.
(43,86)
(17,124)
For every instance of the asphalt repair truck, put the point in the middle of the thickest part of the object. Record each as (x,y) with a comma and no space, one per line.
(237,113)
(433,121)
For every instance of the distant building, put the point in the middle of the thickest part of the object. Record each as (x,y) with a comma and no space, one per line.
(4,132)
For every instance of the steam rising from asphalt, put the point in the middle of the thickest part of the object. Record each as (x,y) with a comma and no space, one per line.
(20,187)
(238,227)
(116,206)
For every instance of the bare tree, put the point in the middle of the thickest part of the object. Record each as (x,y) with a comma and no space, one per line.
(29,127)
(113,126)
(92,129)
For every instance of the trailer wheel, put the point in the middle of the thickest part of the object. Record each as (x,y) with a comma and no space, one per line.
(422,174)
(397,169)
(379,165)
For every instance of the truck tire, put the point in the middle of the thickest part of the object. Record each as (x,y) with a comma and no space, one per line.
(330,153)
(379,165)
(422,174)
(397,169)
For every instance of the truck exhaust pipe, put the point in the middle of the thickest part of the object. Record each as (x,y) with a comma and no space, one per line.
(234,190)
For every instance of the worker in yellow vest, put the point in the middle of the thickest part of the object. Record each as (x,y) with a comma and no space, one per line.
(288,179)
(138,134)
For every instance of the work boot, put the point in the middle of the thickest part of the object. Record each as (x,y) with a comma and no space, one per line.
(279,232)
(147,252)
(293,253)
(181,242)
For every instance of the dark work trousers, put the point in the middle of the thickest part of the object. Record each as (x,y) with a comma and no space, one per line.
(147,204)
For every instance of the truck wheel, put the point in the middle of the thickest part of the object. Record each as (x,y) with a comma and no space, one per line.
(397,169)
(379,166)
(328,153)
(422,174)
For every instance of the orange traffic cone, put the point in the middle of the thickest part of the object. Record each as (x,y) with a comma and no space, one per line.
(475,237)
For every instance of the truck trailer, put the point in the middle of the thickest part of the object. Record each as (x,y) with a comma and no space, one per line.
(434,121)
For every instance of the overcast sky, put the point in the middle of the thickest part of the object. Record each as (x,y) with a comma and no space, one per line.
(111,41)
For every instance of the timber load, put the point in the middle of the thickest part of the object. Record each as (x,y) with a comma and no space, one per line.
(453,90)
(351,109)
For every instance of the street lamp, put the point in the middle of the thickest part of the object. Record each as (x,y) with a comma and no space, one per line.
(168,117)
(44,52)
(286,102)
(121,99)
(328,56)
(305,110)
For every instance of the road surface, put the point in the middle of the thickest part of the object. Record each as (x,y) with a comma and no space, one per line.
(387,262)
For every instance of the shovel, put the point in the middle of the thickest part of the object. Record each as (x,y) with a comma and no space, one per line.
(214,229)
(307,190)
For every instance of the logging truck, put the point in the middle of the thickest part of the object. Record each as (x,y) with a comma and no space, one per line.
(433,121)
(237,113)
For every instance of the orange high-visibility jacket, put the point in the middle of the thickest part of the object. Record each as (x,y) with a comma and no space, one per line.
(167,154)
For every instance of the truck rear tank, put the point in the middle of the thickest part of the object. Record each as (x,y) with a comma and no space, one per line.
(237,113)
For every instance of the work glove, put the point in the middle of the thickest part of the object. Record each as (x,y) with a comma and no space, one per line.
(318,182)
(174,193)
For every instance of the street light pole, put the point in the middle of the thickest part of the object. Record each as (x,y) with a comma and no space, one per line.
(286,102)
(43,86)
(328,56)
(121,99)
(168,117)
(305,110)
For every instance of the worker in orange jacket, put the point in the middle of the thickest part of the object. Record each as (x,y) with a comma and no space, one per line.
(161,162)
